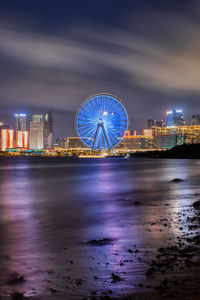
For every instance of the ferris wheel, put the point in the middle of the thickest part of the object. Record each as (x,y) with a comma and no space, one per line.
(102,121)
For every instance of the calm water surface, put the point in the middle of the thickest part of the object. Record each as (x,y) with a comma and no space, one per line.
(50,208)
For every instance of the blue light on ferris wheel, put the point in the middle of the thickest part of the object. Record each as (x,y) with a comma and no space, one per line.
(102,121)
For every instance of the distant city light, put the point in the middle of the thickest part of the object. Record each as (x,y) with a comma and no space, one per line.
(20,115)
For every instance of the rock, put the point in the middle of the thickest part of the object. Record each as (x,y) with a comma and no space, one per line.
(78,281)
(196,204)
(195,240)
(15,278)
(150,271)
(193,227)
(176,180)
(102,242)
(17,296)
(115,278)
(137,203)
(53,290)
(130,251)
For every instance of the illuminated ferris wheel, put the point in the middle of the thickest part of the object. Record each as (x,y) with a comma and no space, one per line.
(102,121)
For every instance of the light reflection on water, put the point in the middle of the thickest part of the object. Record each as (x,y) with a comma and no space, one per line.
(50,208)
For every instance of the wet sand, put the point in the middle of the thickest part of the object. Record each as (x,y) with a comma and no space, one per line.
(99,229)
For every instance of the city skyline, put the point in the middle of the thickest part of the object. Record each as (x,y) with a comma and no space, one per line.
(132,50)
(38,133)
(161,121)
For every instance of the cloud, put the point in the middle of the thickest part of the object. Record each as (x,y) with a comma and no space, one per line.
(147,58)
(151,62)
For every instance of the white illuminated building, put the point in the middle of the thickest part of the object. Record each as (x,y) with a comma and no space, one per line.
(36,132)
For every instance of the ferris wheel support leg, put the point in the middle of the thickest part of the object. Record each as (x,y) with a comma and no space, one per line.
(95,137)
(105,137)
(104,133)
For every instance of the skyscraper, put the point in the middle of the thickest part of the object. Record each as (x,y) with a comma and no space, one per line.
(22,139)
(175,118)
(195,120)
(36,132)
(20,122)
(155,123)
(160,123)
(48,130)
(150,123)
(7,139)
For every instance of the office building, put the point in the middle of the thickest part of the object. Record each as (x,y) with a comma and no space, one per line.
(150,123)
(175,118)
(155,123)
(160,123)
(20,122)
(195,120)
(60,142)
(7,139)
(3,126)
(37,118)
(36,132)
(168,137)
(166,141)
(136,142)
(48,130)
(148,132)
(75,143)
(22,139)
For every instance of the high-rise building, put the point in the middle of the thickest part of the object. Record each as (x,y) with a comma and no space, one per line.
(22,139)
(160,123)
(48,130)
(20,122)
(4,126)
(195,120)
(60,142)
(154,123)
(37,118)
(7,139)
(36,132)
(175,118)
(150,123)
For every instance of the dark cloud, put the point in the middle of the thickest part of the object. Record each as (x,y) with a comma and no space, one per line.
(151,60)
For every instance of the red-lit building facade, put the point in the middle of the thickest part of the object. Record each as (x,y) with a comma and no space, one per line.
(22,139)
(7,139)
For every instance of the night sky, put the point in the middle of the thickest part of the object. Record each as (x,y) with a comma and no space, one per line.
(54,54)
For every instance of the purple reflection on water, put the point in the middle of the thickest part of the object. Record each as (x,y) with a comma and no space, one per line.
(50,208)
